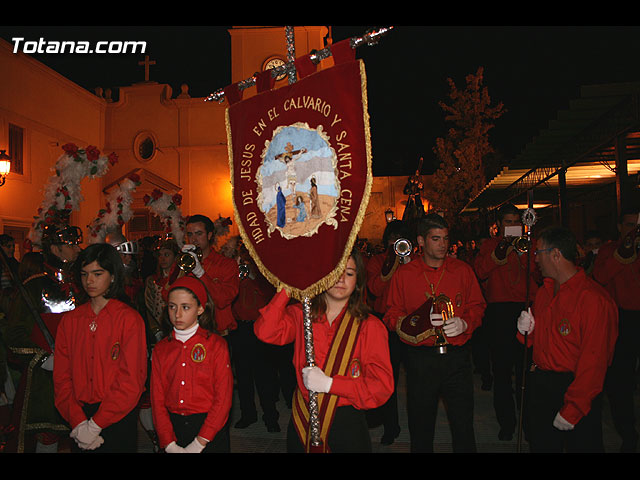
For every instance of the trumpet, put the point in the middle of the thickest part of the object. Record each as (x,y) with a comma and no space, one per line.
(442,304)
(186,262)
(403,248)
(521,244)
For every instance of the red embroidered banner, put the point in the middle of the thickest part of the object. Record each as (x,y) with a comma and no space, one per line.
(300,160)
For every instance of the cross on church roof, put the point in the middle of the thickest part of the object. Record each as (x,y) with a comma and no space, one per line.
(146,64)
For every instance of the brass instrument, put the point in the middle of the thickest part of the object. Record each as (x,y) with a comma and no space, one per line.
(442,304)
(416,327)
(399,254)
(186,262)
(403,248)
(521,244)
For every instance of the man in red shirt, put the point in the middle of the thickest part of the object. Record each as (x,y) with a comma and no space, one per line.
(573,327)
(380,270)
(503,269)
(431,373)
(617,268)
(217,272)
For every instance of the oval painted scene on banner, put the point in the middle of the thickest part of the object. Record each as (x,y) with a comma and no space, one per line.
(298,183)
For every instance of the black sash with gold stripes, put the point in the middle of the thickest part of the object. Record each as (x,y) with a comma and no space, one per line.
(338,362)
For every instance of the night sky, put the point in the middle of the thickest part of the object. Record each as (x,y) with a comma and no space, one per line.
(534,70)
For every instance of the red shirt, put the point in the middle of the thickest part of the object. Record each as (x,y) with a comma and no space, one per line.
(254,294)
(505,281)
(412,282)
(370,387)
(575,331)
(376,285)
(222,282)
(107,365)
(622,280)
(191,377)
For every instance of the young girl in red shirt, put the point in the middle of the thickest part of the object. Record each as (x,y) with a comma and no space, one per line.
(100,362)
(191,379)
(352,371)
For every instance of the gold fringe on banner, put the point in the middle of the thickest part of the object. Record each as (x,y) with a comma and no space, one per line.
(330,279)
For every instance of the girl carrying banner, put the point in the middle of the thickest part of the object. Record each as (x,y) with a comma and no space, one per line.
(353,371)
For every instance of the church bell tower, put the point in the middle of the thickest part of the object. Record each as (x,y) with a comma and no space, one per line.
(254,49)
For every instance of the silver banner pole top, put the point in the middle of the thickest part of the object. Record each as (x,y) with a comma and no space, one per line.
(370,38)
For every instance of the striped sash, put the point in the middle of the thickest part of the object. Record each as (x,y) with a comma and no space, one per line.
(338,362)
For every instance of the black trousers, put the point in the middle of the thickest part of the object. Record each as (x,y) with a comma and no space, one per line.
(620,383)
(186,428)
(388,413)
(500,324)
(545,396)
(255,364)
(349,433)
(431,375)
(120,437)
(480,352)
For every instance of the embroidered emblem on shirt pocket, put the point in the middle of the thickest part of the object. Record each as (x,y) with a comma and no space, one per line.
(354,369)
(115,351)
(198,353)
(564,327)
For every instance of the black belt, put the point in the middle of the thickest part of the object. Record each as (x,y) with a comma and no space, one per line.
(536,369)
(436,349)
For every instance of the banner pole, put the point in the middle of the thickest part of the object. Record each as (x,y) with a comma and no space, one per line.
(314,426)
(370,38)
(291,53)
(528,219)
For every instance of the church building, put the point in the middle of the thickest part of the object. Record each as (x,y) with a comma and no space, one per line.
(173,142)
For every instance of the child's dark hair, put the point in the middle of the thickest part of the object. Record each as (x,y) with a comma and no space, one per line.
(356,305)
(109,259)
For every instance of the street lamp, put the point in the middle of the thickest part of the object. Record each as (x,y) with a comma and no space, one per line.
(5,166)
(389,215)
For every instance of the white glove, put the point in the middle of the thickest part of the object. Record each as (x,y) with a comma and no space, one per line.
(48,363)
(194,447)
(87,435)
(174,448)
(315,380)
(198,271)
(526,322)
(561,424)
(436,319)
(96,443)
(454,327)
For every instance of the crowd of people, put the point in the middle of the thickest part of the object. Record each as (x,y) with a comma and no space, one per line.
(97,341)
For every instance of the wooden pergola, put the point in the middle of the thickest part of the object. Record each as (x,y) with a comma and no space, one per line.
(589,153)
